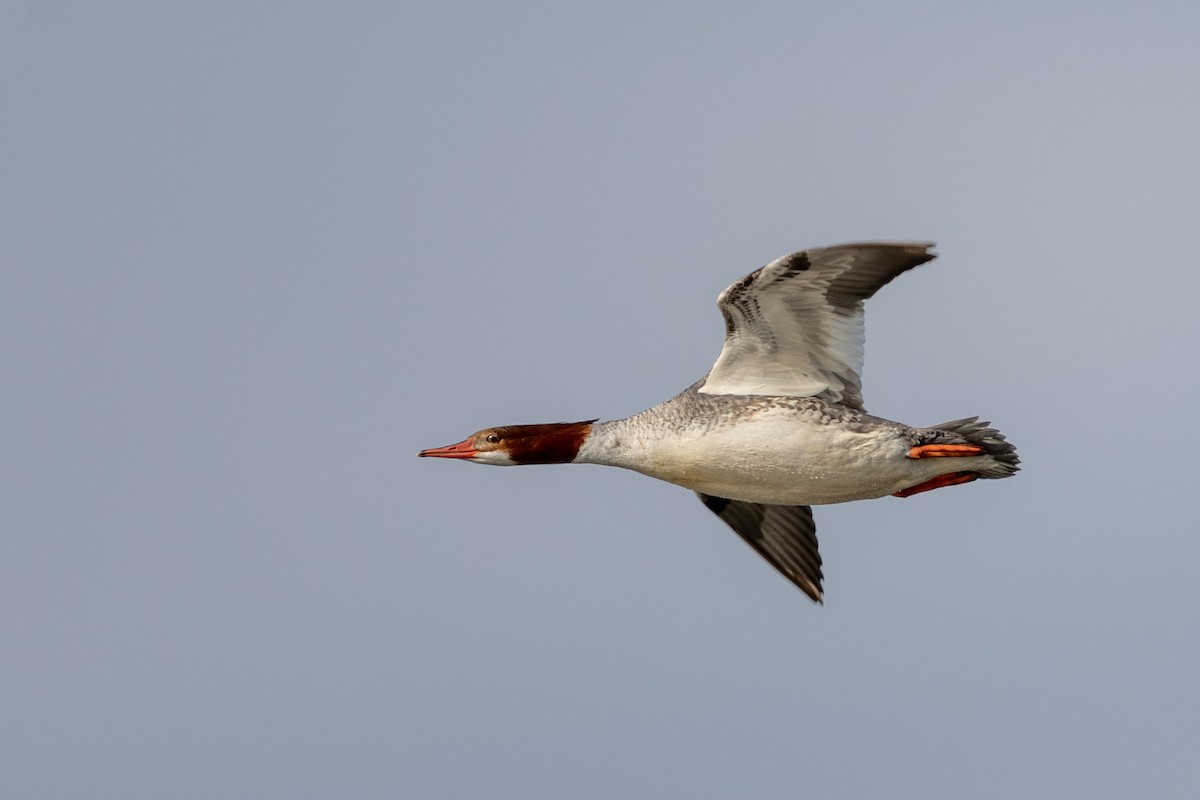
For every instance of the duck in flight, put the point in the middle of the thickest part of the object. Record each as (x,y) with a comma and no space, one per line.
(777,425)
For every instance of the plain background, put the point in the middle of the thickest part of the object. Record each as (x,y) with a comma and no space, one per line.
(253,256)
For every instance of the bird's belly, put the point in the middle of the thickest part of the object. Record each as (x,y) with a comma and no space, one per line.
(783,465)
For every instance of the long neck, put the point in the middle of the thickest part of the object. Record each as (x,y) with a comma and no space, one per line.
(616,443)
(634,442)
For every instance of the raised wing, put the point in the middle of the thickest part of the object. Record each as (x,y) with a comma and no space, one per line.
(784,535)
(795,327)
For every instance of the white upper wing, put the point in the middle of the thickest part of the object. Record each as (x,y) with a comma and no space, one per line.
(795,327)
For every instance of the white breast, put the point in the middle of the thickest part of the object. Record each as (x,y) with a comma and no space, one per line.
(773,455)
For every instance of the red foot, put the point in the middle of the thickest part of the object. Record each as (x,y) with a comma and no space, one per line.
(949,479)
(944,450)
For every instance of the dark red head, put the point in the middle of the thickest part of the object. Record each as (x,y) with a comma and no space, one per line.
(547,443)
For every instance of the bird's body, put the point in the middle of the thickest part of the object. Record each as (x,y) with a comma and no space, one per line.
(778,424)
(770,449)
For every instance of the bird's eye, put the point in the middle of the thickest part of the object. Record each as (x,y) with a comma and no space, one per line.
(493,438)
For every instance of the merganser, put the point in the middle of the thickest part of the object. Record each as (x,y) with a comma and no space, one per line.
(777,425)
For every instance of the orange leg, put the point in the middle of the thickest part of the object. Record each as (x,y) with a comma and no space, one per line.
(949,479)
(944,450)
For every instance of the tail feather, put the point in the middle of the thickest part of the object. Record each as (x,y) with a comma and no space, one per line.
(972,430)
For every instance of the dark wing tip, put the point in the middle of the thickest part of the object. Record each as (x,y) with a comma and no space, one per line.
(784,536)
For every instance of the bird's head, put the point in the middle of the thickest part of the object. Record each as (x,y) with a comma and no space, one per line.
(507,445)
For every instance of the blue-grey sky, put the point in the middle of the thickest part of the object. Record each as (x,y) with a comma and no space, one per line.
(254,255)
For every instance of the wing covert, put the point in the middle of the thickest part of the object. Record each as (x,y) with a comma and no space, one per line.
(795,326)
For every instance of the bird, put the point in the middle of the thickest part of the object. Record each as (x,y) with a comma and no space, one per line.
(777,425)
